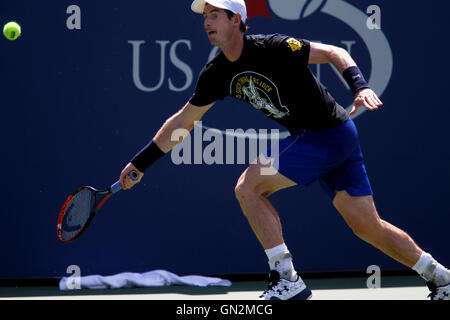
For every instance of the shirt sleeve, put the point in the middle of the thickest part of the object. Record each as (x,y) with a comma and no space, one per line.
(207,90)
(290,47)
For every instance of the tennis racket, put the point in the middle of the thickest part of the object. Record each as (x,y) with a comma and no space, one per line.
(80,208)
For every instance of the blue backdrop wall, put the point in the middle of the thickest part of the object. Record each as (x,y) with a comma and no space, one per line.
(77,102)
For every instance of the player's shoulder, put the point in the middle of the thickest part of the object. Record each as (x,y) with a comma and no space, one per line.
(267,40)
(275,40)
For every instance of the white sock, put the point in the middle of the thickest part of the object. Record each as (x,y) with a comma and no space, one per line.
(272,252)
(280,260)
(430,270)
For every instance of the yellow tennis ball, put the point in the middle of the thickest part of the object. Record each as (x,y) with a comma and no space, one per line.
(12,30)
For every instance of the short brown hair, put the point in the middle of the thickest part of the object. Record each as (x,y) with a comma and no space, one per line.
(243,26)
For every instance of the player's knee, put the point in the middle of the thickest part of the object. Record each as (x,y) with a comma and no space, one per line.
(369,232)
(361,231)
(361,219)
(247,188)
(244,190)
(251,184)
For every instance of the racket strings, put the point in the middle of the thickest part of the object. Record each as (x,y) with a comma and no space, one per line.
(77,213)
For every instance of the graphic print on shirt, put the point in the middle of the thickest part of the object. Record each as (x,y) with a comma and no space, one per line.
(260,92)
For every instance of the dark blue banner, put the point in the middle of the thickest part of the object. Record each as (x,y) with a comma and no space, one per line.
(88,83)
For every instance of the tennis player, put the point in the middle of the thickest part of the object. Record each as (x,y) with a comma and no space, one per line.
(270,72)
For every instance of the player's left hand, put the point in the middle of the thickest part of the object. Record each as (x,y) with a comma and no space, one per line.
(367,99)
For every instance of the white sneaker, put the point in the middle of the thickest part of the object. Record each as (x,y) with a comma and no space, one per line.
(282,289)
(439,293)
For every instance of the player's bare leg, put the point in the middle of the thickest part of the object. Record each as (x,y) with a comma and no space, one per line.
(362,217)
(252,191)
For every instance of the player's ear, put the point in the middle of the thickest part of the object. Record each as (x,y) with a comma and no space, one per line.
(237,19)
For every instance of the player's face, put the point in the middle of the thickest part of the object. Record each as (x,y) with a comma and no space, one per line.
(217,25)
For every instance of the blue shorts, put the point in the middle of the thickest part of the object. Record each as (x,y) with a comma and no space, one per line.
(331,156)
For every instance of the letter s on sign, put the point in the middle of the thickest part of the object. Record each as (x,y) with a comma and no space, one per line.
(180,65)
(174,59)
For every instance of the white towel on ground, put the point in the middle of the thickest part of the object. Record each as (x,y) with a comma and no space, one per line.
(155,278)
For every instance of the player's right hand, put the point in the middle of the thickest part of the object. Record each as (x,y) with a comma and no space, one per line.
(125,180)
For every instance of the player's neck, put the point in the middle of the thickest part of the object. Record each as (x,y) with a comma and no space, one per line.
(233,48)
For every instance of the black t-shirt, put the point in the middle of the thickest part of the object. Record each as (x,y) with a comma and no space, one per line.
(272,75)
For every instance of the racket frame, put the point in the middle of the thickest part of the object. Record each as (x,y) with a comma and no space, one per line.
(110,191)
(91,214)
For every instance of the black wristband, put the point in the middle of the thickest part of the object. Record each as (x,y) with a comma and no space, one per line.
(147,156)
(355,79)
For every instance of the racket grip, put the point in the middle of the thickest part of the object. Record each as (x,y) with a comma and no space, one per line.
(133,175)
(117,186)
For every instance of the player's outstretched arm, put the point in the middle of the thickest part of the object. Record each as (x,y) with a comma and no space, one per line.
(162,142)
(344,63)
